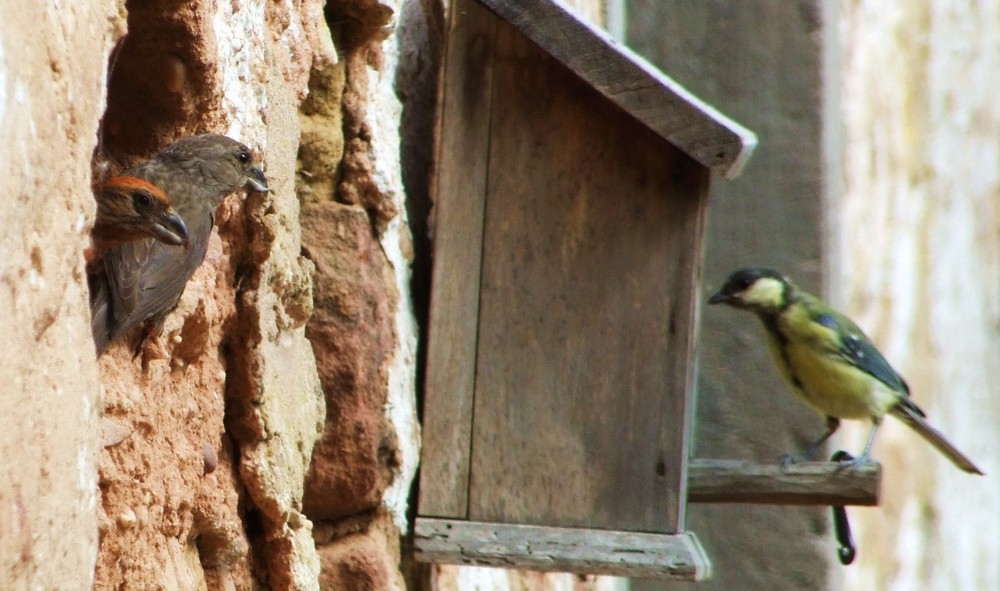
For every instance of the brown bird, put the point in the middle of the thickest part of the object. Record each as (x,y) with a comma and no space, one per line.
(130,209)
(145,279)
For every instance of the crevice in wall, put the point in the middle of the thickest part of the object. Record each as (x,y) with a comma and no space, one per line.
(421,31)
(345,210)
(169,485)
(160,85)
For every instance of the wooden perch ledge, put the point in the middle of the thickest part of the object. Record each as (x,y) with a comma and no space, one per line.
(627,554)
(805,483)
(677,556)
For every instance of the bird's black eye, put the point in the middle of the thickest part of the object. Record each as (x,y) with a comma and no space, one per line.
(141,199)
(243,157)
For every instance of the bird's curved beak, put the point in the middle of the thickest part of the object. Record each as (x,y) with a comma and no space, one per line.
(256,180)
(719,298)
(171,230)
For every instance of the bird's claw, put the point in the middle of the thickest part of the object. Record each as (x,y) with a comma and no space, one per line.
(853,463)
(788,459)
(149,346)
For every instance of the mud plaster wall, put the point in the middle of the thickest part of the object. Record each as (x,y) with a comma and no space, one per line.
(193,471)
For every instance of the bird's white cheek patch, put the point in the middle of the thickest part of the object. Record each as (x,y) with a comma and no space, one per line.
(764,291)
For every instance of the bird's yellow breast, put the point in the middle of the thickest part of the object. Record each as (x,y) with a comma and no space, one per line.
(809,359)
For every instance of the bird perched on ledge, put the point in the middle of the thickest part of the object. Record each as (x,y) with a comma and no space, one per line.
(144,279)
(828,361)
(130,209)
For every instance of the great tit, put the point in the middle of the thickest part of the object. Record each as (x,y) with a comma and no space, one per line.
(828,361)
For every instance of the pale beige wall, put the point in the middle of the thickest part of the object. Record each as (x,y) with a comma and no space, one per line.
(591,10)
(51,97)
(919,268)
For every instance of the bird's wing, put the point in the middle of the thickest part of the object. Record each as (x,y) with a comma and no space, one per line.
(123,266)
(855,347)
(146,277)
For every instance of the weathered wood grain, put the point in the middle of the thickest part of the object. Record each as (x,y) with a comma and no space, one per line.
(663,556)
(805,483)
(587,309)
(778,212)
(459,193)
(632,83)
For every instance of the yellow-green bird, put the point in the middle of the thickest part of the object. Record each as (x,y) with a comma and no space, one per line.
(828,361)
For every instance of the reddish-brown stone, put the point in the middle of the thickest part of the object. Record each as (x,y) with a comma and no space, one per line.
(353,339)
(365,561)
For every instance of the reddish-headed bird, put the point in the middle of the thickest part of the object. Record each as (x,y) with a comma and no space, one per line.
(129,209)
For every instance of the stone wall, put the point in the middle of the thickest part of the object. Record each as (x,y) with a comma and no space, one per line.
(274,445)
(919,252)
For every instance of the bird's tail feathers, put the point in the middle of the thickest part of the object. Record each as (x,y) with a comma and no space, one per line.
(100,312)
(911,415)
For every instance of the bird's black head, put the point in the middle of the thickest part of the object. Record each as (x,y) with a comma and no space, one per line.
(754,288)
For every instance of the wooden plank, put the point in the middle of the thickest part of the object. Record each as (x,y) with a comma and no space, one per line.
(761,62)
(459,193)
(586,311)
(684,406)
(804,483)
(662,556)
(632,83)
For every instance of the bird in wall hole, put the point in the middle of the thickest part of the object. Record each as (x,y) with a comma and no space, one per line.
(143,279)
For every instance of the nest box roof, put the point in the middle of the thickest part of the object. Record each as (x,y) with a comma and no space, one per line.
(632,83)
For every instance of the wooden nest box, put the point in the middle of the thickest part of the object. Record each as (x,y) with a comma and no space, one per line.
(571,189)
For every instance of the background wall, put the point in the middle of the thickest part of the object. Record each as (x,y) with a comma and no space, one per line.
(919,252)
(275,446)
(886,120)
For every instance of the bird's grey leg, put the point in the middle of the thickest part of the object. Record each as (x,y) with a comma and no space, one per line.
(832,424)
(865,456)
